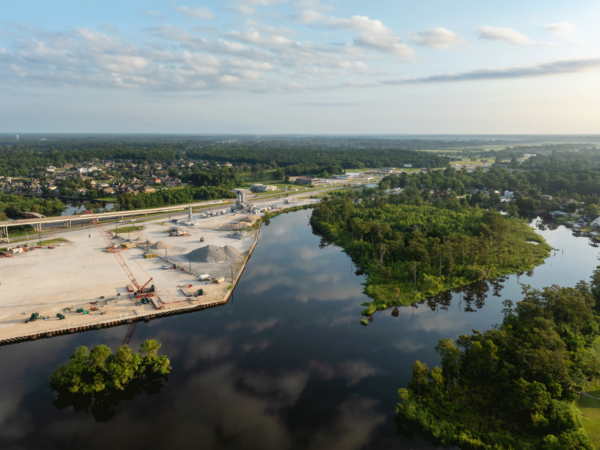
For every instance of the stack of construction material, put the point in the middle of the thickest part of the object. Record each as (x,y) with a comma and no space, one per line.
(213,254)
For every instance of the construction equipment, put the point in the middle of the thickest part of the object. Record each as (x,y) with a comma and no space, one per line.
(60,316)
(34,316)
(140,291)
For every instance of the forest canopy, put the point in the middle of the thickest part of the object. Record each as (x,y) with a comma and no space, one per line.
(411,252)
(512,387)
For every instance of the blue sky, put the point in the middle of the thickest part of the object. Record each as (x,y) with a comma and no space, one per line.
(307,66)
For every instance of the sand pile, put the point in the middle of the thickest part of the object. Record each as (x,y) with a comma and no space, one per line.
(240,223)
(213,254)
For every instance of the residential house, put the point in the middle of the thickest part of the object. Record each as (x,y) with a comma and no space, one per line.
(147,189)
(472,191)
(82,170)
(588,219)
(68,166)
(51,169)
(547,197)
(173,182)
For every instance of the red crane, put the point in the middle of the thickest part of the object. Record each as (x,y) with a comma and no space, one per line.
(141,291)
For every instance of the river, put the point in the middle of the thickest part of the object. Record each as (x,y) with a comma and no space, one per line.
(285,364)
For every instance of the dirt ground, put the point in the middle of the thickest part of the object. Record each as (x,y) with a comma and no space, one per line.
(73,275)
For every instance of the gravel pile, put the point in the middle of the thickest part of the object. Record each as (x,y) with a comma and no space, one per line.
(213,254)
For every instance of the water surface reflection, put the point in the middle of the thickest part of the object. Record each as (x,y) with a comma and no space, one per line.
(285,364)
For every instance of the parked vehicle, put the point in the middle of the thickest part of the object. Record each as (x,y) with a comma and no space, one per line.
(165,267)
(204,277)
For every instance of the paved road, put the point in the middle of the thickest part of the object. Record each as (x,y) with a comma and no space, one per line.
(177,211)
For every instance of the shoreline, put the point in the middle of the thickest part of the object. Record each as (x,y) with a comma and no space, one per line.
(145,316)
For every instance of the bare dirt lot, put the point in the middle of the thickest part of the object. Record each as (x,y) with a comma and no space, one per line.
(80,272)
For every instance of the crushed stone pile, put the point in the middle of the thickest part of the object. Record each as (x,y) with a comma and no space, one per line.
(213,254)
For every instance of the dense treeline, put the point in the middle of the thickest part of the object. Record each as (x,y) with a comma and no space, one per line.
(512,387)
(172,197)
(578,182)
(13,205)
(19,159)
(411,252)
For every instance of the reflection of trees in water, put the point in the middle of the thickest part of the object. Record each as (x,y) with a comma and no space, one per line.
(443,300)
(102,404)
(546,224)
(497,285)
(324,242)
(473,295)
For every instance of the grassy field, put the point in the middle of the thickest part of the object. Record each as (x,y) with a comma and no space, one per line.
(590,408)
(119,230)
(15,232)
(53,241)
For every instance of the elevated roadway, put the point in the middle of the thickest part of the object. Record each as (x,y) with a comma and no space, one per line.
(67,221)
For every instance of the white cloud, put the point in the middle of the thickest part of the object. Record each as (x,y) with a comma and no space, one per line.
(558,67)
(372,34)
(504,34)
(438,38)
(566,30)
(197,13)
(561,28)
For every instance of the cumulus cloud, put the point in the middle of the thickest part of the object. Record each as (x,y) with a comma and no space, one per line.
(197,13)
(438,38)
(561,28)
(371,34)
(504,34)
(565,30)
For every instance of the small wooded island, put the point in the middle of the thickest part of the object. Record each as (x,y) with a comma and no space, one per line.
(98,380)
(413,251)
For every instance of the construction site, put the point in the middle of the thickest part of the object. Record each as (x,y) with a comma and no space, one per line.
(99,277)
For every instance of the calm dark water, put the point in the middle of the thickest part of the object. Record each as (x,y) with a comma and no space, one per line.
(286,364)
